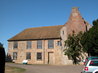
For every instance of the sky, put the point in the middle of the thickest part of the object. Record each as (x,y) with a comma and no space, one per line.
(17,15)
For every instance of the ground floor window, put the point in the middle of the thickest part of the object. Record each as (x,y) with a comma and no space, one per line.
(14,55)
(28,55)
(39,55)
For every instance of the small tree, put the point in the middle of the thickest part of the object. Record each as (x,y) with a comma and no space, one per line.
(73,47)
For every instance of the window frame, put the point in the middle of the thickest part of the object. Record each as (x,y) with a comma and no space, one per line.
(15,54)
(28,55)
(29,45)
(15,45)
(58,43)
(50,44)
(63,32)
(39,44)
(39,56)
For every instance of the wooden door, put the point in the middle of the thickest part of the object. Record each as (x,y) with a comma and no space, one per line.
(50,58)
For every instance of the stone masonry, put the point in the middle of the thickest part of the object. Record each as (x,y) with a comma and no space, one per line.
(55,55)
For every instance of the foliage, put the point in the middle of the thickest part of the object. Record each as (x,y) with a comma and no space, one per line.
(89,40)
(2,59)
(1,45)
(73,47)
(8,58)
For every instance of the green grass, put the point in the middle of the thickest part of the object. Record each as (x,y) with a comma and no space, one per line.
(9,69)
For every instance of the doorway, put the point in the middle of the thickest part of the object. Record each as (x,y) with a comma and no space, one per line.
(50,58)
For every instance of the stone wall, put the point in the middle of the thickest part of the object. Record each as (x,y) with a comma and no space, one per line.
(21,50)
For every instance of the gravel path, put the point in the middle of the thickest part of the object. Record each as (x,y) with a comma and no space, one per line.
(49,68)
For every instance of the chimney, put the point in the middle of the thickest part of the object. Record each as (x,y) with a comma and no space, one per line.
(75,22)
(75,10)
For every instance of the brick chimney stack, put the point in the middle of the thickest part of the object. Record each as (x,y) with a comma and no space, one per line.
(75,23)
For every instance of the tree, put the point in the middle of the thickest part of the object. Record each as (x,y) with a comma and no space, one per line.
(89,40)
(73,47)
(1,45)
(2,59)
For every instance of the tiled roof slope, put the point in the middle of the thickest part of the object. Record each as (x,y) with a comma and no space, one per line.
(48,32)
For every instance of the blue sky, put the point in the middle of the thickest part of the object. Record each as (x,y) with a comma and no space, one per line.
(17,15)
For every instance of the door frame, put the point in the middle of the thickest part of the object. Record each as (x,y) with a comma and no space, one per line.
(48,56)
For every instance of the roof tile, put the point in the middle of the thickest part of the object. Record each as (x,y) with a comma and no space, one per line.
(48,32)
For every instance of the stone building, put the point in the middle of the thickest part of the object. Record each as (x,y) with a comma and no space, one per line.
(45,45)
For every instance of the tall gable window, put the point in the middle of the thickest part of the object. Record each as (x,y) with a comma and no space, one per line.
(39,44)
(39,56)
(28,55)
(50,43)
(14,55)
(29,44)
(15,45)
(63,32)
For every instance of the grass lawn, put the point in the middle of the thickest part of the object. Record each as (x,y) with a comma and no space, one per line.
(9,69)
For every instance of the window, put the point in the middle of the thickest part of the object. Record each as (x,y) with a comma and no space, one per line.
(21,45)
(58,43)
(10,45)
(39,56)
(63,32)
(29,44)
(14,55)
(28,55)
(39,44)
(93,63)
(15,45)
(50,43)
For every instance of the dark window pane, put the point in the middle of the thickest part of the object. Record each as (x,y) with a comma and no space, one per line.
(14,55)
(28,55)
(39,44)
(50,43)
(63,32)
(93,63)
(29,44)
(39,56)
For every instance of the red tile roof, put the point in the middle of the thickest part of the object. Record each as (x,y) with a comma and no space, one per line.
(49,32)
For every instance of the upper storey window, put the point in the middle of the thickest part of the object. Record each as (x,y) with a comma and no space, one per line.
(39,44)
(50,43)
(15,45)
(63,32)
(29,44)
(10,45)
